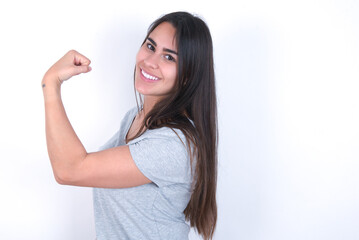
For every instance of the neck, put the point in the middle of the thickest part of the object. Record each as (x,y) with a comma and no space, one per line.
(148,103)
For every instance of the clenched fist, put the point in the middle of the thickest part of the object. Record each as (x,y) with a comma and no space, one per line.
(71,64)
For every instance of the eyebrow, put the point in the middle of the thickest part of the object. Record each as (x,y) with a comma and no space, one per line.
(164,49)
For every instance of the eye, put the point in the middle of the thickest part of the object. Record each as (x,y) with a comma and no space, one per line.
(170,58)
(150,47)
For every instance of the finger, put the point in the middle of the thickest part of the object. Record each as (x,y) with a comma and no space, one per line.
(80,60)
(81,69)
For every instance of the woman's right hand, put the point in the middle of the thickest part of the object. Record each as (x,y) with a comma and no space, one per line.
(71,64)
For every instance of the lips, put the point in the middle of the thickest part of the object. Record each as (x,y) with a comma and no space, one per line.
(148,76)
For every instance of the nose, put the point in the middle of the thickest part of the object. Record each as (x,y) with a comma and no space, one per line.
(151,61)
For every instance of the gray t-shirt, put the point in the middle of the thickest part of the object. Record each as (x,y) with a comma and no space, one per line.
(154,210)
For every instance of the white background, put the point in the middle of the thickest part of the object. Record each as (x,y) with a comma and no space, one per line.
(287,77)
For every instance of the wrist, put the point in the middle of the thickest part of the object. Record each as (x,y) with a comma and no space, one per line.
(51,88)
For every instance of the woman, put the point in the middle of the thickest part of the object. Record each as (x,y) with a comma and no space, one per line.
(160,168)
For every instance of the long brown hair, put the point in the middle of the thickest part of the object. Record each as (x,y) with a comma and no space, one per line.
(193,98)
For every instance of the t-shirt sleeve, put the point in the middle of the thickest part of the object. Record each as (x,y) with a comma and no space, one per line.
(162,157)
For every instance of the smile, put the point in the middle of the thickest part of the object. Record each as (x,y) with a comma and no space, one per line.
(148,76)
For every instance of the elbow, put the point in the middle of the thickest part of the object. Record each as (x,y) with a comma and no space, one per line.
(67,173)
(64,177)
(61,178)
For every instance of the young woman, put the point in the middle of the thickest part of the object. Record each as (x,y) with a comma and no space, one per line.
(160,168)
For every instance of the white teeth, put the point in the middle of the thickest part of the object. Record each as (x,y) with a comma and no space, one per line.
(148,75)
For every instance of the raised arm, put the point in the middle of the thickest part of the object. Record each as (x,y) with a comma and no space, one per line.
(71,164)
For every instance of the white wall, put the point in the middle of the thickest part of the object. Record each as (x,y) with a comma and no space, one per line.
(287,77)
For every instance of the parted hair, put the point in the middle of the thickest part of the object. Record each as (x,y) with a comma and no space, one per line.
(193,99)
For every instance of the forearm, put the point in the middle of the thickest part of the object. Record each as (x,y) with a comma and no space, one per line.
(65,150)
(64,147)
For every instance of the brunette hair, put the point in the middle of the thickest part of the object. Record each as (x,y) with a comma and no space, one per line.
(193,99)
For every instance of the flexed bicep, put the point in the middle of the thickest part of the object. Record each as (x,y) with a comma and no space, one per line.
(110,168)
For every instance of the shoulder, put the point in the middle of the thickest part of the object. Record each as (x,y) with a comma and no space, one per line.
(162,156)
(165,134)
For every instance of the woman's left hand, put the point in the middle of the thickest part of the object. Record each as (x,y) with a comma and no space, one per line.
(71,64)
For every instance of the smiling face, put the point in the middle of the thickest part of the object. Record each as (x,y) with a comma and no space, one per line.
(156,63)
